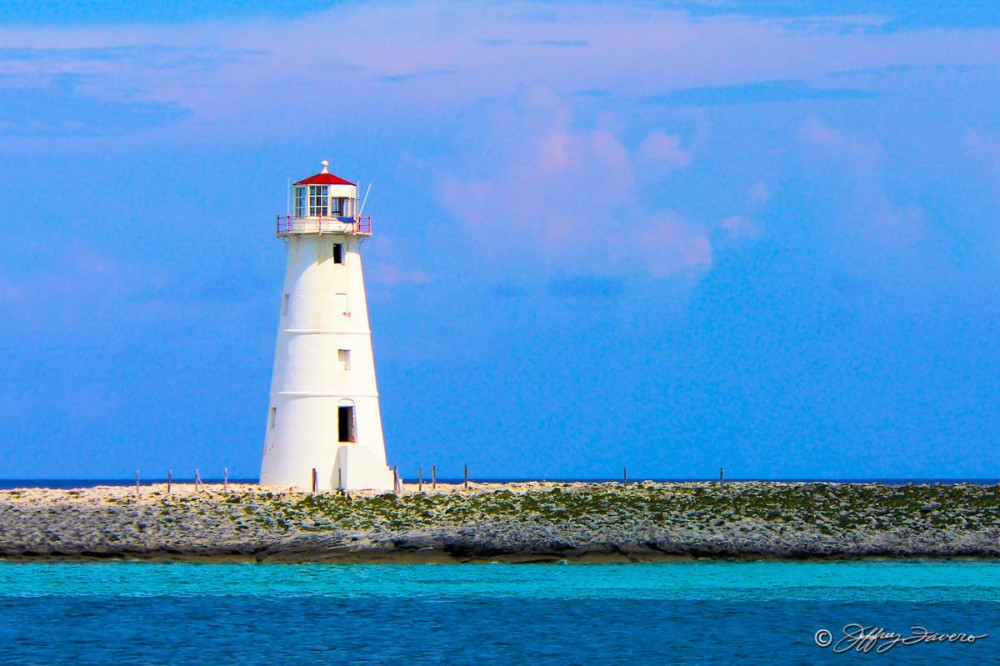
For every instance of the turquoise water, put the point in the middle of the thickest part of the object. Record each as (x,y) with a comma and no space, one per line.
(699,612)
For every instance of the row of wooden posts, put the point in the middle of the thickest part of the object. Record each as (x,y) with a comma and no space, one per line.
(434,477)
(465,473)
(420,477)
(396,481)
(197,480)
(340,483)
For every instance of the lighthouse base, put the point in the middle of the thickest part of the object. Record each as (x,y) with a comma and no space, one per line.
(348,467)
(356,468)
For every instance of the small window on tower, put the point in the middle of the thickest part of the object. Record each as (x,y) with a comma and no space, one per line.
(345,423)
(274,416)
(344,357)
(284,304)
(338,253)
(336,206)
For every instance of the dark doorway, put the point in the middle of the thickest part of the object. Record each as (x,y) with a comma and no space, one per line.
(345,423)
(338,253)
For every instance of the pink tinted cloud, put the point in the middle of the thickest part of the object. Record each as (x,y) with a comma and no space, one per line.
(420,58)
(563,199)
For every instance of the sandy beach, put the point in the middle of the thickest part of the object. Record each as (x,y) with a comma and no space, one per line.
(515,522)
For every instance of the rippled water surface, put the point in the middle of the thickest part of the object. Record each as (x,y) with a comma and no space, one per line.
(699,612)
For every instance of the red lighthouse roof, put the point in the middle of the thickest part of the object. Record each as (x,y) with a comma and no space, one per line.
(324,177)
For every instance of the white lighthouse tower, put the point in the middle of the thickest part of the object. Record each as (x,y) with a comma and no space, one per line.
(324,428)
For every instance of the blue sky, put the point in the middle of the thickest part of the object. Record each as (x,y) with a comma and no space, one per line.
(672,236)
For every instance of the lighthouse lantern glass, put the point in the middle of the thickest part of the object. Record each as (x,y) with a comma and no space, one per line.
(300,202)
(319,202)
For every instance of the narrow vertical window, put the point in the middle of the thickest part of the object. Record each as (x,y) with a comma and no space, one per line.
(345,423)
(284,305)
(338,253)
(344,358)
(274,416)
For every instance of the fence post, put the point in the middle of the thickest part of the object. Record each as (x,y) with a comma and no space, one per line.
(197,480)
(170,480)
(315,477)
(138,495)
(466,477)
(340,479)
(420,479)
(722,475)
(625,476)
(434,477)
(225,479)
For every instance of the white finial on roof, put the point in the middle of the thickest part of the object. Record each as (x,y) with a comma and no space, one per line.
(326,166)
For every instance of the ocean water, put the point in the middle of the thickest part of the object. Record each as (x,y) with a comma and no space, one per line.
(665,613)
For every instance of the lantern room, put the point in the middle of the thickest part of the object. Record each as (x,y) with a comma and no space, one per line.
(324,203)
(324,195)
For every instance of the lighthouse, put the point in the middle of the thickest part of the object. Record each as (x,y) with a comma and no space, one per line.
(324,427)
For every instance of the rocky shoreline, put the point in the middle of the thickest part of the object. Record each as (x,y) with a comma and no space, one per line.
(516,522)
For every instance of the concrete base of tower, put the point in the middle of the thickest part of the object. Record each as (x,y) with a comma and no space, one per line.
(342,467)
(357,468)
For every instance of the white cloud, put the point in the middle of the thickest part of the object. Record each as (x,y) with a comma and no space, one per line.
(10,291)
(870,227)
(86,288)
(665,148)
(669,245)
(390,267)
(983,146)
(758,194)
(738,227)
(866,155)
(82,284)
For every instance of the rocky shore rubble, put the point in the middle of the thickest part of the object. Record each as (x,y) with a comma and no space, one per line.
(517,522)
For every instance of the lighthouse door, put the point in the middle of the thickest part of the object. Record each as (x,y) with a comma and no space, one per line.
(345,423)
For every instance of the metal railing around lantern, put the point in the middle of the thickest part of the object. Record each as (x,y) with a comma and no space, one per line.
(361,225)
